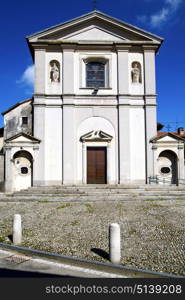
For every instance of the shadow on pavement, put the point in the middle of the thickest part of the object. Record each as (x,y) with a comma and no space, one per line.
(15,273)
(101,253)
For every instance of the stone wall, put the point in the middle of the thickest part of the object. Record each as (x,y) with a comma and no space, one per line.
(13,120)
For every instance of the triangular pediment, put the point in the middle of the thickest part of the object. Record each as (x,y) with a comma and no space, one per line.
(96,135)
(167,138)
(93,33)
(22,138)
(95,26)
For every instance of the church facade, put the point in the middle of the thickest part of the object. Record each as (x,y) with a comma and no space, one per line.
(92,118)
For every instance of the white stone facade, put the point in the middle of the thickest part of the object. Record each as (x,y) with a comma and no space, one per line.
(69,118)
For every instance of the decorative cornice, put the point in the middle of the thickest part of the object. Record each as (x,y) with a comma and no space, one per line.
(98,96)
(7,147)
(40,46)
(154,147)
(180,147)
(150,48)
(71,44)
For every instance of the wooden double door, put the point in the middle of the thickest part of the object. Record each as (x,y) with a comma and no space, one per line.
(96,165)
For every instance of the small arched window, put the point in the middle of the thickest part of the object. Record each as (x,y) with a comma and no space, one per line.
(95,74)
(24,170)
(165,170)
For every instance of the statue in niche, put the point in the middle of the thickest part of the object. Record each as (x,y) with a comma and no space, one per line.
(136,73)
(54,72)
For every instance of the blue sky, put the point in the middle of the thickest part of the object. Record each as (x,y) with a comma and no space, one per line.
(165,18)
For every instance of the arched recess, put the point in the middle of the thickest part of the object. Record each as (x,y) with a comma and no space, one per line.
(168,166)
(95,133)
(22,170)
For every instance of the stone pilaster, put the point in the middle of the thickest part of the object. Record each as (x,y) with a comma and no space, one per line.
(149,71)
(8,169)
(84,162)
(124,143)
(181,161)
(150,105)
(68,71)
(123,70)
(155,164)
(109,169)
(69,144)
(40,71)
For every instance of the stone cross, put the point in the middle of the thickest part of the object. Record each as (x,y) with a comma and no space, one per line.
(94,4)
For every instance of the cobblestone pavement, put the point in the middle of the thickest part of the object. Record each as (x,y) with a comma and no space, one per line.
(152,232)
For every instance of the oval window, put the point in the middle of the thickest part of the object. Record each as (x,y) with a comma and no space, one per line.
(24,170)
(165,170)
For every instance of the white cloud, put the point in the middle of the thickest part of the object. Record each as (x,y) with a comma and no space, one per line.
(142,19)
(160,17)
(174,3)
(27,77)
(163,15)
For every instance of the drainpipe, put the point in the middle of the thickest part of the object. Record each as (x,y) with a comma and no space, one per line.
(146,149)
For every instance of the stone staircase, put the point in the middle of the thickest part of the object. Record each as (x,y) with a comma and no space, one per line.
(96,192)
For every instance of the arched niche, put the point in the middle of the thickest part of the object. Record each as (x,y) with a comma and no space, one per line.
(22,170)
(168,166)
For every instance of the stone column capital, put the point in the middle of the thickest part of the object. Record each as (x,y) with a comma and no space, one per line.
(154,147)
(180,147)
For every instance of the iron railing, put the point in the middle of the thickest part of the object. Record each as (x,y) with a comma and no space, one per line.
(165,181)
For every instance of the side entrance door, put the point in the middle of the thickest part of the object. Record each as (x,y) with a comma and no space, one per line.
(96,165)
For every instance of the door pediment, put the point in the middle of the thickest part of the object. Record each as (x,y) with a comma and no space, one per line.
(167,137)
(22,137)
(96,135)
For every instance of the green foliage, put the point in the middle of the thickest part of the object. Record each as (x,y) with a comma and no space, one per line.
(2,239)
(74,223)
(89,208)
(64,206)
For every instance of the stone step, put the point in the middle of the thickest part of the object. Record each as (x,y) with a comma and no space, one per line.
(99,192)
(107,187)
(89,197)
(80,191)
(100,195)
(95,192)
(163,187)
(85,187)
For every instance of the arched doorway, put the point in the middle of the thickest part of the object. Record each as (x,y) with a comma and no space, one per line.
(22,170)
(167,167)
